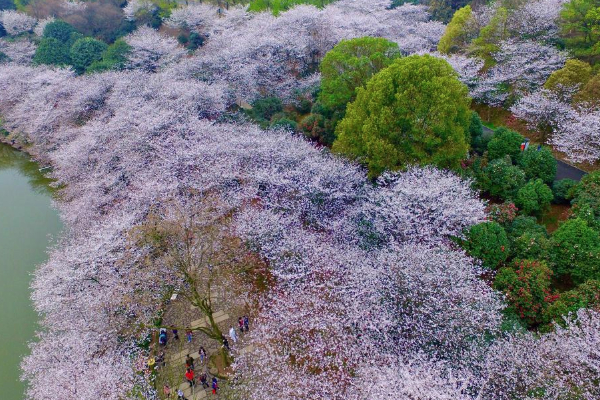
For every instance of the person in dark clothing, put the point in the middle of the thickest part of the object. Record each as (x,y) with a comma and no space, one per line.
(204,380)
(215,385)
(226,343)
(189,362)
(246,323)
(241,324)
(175,334)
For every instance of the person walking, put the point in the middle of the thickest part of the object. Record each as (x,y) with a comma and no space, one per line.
(241,324)
(202,353)
(233,335)
(180,395)
(167,391)
(162,337)
(189,375)
(175,334)
(204,380)
(188,335)
(246,323)
(226,343)
(215,385)
(189,362)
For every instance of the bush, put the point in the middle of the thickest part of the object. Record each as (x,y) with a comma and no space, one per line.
(475,128)
(285,123)
(488,242)
(539,164)
(416,111)
(86,51)
(534,198)
(523,224)
(59,30)
(52,52)
(562,190)
(587,295)
(505,142)
(502,213)
(586,199)
(263,109)
(575,251)
(502,179)
(194,41)
(527,287)
(313,126)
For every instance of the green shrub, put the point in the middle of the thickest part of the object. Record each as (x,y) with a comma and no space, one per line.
(475,128)
(530,245)
(264,108)
(285,123)
(575,251)
(52,52)
(86,51)
(488,242)
(527,287)
(586,199)
(59,30)
(194,41)
(505,142)
(534,198)
(539,164)
(562,190)
(586,295)
(502,179)
(313,126)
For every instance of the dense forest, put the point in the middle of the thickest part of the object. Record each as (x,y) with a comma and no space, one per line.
(376,183)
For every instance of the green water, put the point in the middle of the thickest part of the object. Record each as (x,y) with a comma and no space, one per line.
(27,222)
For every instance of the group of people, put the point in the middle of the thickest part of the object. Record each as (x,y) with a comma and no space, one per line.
(244,326)
(202,379)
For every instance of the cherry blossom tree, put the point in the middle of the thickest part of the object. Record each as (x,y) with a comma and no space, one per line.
(152,50)
(15,22)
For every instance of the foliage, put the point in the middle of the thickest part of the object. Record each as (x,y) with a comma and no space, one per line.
(525,224)
(579,27)
(457,31)
(562,190)
(53,52)
(505,142)
(490,36)
(502,179)
(538,164)
(527,287)
(314,127)
(59,30)
(589,95)
(114,57)
(575,250)
(504,213)
(570,78)
(586,295)
(404,116)
(586,199)
(7,5)
(265,108)
(489,243)
(349,65)
(278,6)
(85,52)
(534,198)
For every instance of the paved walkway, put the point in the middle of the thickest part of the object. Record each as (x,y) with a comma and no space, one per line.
(563,169)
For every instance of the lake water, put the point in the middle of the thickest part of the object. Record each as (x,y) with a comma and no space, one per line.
(27,223)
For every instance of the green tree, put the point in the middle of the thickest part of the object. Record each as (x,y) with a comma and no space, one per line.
(52,52)
(575,250)
(587,295)
(586,199)
(573,76)
(265,108)
(580,27)
(7,5)
(457,32)
(527,287)
(490,36)
(414,111)
(505,142)
(538,164)
(502,179)
(590,93)
(349,65)
(488,242)
(562,190)
(534,198)
(59,30)
(114,57)
(86,51)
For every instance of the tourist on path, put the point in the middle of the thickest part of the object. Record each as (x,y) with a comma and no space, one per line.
(246,323)
(233,335)
(189,362)
(160,359)
(175,334)
(241,324)
(215,385)
(204,380)
(189,375)
(202,353)
(226,343)
(162,337)
(167,391)
(188,335)
(180,395)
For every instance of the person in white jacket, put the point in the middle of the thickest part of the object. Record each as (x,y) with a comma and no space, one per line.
(232,334)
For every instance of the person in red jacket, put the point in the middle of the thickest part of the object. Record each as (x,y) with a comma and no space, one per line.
(189,375)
